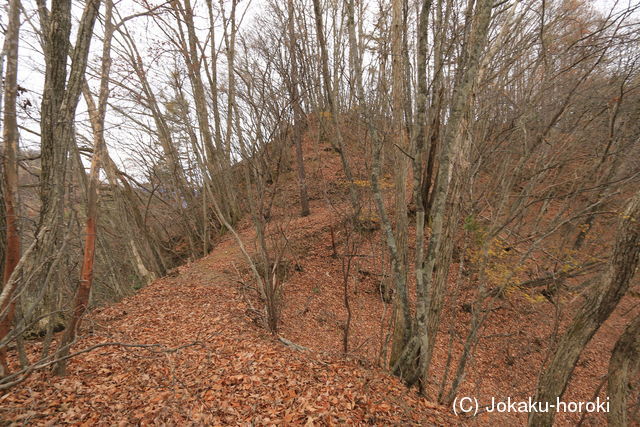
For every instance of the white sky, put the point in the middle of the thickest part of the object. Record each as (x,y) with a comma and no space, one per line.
(31,63)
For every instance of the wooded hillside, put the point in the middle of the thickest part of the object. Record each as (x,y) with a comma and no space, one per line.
(300,212)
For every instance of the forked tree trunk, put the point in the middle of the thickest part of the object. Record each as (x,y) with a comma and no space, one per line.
(59,102)
(97,116)
(217,163)
(419,154)
(446,194)
(601,303)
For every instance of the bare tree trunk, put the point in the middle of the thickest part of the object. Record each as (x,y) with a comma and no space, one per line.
(213,81)
(446,195)
(434,113)
(60,99)
(230,42)
(329,95)
(623,366)
(217,163)
(402,317)
(193,67)
(97,116)
(3,227)
(355,66)
(420,123)
(10,163)
(601,303)
(298,114)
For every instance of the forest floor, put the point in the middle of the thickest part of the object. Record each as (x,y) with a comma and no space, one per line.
(207,363)
(194,353)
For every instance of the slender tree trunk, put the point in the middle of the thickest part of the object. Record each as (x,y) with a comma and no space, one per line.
(420,132)
(193,67)
(214,80)
(230,42)
(3,225)
(217,162)
(329,95)
(355,62)
(10,164)
(298,114)
(402,317)
(233,211)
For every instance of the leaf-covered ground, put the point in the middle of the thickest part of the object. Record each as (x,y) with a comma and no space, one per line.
(207,362)
(212,366)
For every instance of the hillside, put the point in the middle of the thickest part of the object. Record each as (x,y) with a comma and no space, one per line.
(188,348)
(211,366)
(318,212)
(188,351)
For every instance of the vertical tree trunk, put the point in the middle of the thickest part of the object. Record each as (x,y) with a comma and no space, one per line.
(420,135)
(10,164)
(601,303)
(192,59)
(443,218)
(298,114)
(217,163)
(97,116)
(214,80)
(56,31)
(3,225)
(329,95)
(402,317)
(355,63)
(59,102)
(230,42)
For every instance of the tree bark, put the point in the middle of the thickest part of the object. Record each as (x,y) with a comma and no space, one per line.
(446,200)
(230,42)
(59,102)
(10,163)
(298,113)
(402,317)
(330,98)
(623,366)
(217,163)
(601,303)
(97,116)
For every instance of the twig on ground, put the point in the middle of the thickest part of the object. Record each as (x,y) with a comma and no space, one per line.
(292,344)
